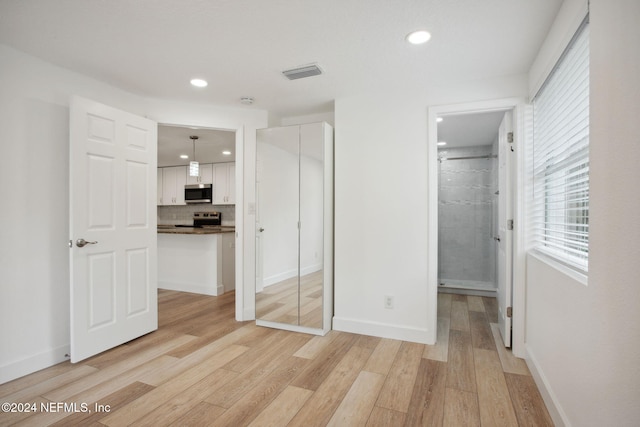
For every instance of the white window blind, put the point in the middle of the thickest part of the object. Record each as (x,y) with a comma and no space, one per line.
(561,157)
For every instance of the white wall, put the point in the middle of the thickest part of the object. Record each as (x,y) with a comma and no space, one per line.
(381,204)
(583,341)
(34,257)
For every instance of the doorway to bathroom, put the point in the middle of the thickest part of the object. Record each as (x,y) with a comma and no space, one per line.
(472,164)
(468,202)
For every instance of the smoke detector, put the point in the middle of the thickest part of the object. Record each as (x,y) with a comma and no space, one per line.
(302,72)
(246,100)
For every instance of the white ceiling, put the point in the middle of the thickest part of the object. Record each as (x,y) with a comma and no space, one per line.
(154,47)
(468,130)
(174,141)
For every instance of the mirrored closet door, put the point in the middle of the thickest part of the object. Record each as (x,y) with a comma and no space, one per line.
(294,227)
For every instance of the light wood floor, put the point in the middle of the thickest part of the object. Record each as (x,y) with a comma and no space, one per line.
(202,368)
(279,302)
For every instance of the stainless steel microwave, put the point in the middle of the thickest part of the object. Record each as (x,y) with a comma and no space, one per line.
(198,193)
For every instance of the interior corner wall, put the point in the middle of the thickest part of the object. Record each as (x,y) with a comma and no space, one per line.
(583,341)
(34,187)
(381,196)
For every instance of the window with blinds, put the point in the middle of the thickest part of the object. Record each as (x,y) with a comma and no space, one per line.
(561,157)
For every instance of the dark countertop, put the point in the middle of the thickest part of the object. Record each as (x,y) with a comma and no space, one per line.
(171,229)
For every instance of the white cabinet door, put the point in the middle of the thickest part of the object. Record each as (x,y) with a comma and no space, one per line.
(224,177)
(205,177)
(113,273)
(173,181)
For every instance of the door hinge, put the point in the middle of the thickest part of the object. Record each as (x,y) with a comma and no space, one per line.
(510,137)
(509,224)
(509,311)
(71,243)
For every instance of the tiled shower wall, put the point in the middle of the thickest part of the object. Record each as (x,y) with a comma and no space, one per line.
(466,249)
(183,215)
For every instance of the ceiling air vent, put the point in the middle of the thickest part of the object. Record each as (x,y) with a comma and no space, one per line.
(302,72)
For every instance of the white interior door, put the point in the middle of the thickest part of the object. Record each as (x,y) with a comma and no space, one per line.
(113,158)
(505,242)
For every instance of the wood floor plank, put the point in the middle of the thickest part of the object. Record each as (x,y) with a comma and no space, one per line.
(62,393)
(129,349)
(23,418)
(184,402)
(316,345)
(427,399)
(397,389)
(475,303)
(35,378)
(383,417)
(38,389)
(460,366)
(254,374)
(322,365)
(319,409)
(198,356)
(249,406)
(283,408)
(440,350)
(510,363)
(163,393)
(459,316)
(281,343)
(213,334)
(200,416)
(356,406)
(491,308)
(444,305)
(96,394)
(383,356)
(527,401)
(461,409)
(114,401)
(481,336)
(496,408)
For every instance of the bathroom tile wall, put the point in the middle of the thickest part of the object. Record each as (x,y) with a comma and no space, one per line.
(466,249)
(183,215)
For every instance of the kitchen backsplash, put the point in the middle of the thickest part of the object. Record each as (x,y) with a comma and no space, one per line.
(183,215)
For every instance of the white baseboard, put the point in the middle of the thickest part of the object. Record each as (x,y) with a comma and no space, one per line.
(383,330)
(29,365)
(277,278)
(189,287)
(551,401)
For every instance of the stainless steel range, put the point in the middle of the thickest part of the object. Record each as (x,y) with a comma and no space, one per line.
(204,219)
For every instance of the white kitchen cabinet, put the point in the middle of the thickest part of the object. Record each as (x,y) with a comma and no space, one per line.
(159,196)
(174,179)
(224,183)
(205,177)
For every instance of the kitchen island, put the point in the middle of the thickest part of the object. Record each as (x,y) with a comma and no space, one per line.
(198,260)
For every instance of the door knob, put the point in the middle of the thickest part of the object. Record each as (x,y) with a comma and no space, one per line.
(81,243)
(261,229)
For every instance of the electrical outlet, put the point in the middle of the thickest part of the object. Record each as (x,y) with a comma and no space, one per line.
(388,301)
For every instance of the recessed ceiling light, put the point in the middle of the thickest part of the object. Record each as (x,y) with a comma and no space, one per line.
(418,37)
(199,82)
(226,153)
(184,156)
(441,143)
(439,119)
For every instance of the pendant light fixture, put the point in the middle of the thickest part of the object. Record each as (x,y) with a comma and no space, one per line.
(194,166)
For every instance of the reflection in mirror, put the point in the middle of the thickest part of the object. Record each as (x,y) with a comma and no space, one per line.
(289,224)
